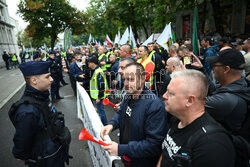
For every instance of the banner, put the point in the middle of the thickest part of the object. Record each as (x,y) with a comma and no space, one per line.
(92,122)
(165,40)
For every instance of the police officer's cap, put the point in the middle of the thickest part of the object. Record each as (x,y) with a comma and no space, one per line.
(34,68)
(36,55)
(52,52)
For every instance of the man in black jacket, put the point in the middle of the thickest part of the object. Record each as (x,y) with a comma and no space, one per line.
(6,60)
(228,101)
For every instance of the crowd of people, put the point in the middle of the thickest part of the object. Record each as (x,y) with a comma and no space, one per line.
(174,107)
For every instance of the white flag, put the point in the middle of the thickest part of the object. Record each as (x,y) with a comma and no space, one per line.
(149,40)
(125,37)
(132,38)
(90,37)
(165,37)
(116,39)
(108,40)
(93,40)
(119,35)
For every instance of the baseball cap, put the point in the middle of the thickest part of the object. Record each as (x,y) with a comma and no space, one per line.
(229,57)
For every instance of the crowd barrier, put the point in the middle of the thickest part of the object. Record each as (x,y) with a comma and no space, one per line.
(89,116)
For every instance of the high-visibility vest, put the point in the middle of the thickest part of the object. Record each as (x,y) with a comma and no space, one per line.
(103,67)
(151,54)
(94,85)
(107,60)
(150,82)
(63,54)
(14,58)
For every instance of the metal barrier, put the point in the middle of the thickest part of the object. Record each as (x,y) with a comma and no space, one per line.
(87,113)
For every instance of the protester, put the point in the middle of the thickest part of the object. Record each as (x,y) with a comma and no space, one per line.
(185,99)
(148,65)
(125,51)
(98,85)
(141,120)
(228,101)
(246,48)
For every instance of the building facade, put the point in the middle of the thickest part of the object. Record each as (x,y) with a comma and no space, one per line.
(8,31)
(235,19)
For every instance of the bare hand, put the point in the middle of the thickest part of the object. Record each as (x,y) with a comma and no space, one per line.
(196,62)
(97,101)
(112,148)
(117,106)
(83,59)
(114,82)
(81,76)
(105,131)
(65,70)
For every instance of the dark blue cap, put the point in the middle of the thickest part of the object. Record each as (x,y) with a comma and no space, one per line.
(52,52)
(36,55)
(34,68)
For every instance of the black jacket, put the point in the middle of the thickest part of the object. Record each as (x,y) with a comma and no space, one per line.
(29,122)
(5,57)
(148,127)
(228,104)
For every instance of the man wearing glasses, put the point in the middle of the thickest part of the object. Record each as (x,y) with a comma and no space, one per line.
(228,102)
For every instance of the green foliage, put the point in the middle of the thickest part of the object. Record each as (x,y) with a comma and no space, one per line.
(47,18)
(151,16)
(24,40)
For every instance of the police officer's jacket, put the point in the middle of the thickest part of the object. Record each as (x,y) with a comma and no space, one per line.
(29,121)
(148,128)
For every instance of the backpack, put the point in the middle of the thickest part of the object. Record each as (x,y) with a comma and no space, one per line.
(55,128)
(241,145)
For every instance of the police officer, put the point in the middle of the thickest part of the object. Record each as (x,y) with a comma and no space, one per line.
(55,68)
(41,138)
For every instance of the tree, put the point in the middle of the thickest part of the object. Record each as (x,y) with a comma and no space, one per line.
(48,18)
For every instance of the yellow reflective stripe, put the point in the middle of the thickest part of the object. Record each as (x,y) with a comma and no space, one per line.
(151,54)
(93,84)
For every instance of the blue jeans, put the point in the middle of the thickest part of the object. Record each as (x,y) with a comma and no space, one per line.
(101,112)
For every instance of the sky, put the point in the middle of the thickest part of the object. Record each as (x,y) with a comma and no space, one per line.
(12,9)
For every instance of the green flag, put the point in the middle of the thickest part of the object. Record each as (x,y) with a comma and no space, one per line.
(173,36)
(195,41)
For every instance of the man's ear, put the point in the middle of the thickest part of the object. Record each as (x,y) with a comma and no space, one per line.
(33,80)
(190,100)
(226,69)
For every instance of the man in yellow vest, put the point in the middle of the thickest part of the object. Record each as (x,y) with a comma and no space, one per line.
(102,58)
(148,65)
(14,60)
(98,85)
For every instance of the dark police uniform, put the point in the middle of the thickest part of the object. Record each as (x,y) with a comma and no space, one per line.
(55,68)
(35,139)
